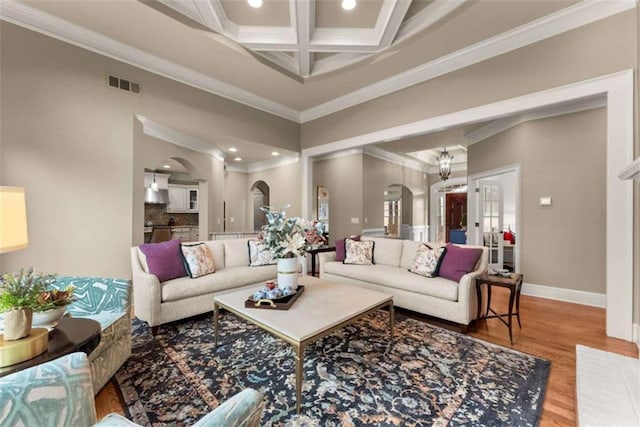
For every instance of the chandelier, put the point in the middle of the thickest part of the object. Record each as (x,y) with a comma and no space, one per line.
(444,164)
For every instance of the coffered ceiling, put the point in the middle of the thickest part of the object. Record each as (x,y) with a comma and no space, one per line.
(312,37)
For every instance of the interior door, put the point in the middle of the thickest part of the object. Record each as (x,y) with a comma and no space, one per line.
(491,218)
(456,208)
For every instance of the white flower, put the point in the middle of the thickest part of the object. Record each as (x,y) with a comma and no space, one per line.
(293,244)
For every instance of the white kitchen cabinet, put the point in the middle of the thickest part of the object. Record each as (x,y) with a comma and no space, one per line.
(194,234)
(183,198)
(181,233)
(161,179)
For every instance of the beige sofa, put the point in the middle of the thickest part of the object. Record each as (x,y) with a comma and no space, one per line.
(158,303)
(438,297)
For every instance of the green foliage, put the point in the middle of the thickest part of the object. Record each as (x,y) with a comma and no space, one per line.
(55,298)
(22,289)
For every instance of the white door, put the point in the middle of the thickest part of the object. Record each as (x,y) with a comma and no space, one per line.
(490,226)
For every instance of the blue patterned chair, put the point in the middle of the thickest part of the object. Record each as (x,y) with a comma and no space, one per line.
(108,301)
(60,393)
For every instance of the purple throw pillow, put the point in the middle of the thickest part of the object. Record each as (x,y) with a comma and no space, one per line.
(458,261)
(164,259)
(340,247)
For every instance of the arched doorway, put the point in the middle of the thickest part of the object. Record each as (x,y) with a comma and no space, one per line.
(259,193)
(398,212)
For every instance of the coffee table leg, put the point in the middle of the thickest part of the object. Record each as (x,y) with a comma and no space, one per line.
(299,363)
(215,325)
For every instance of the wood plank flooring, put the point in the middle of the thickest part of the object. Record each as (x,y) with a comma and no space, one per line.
(550,329)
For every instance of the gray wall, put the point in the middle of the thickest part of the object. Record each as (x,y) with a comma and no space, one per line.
(69,140)
(562,245)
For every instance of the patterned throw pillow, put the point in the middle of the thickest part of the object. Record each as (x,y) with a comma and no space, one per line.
(359,253)
(259,254)
(427,261)
(198,259)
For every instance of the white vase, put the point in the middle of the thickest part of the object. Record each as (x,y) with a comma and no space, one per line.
(17,323)
(287,272)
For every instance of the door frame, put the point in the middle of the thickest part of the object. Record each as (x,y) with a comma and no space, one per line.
(433,204)
(473,209)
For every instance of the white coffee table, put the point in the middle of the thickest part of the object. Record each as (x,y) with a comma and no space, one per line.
(323,308)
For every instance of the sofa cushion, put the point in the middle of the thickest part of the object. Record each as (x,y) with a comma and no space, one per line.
(260,254)
(359,253)
(409,249)
(198,259)
(236,253)
(427,260)
(458,261)
(387,251)
(164,260)
(227,278)
(397,278)
(340,247)
(217,252)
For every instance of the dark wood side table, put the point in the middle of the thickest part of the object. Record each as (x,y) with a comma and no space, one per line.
(71,334)
(314,252)
(514,284)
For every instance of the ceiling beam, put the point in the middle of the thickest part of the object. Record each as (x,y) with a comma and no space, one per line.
(305,21)
(391,21)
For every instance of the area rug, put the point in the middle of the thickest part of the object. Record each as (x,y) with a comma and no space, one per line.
(354,377)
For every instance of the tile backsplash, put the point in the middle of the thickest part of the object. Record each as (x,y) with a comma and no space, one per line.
(159,216)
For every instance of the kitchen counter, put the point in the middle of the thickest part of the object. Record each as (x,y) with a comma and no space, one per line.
(186,233)
(229,235)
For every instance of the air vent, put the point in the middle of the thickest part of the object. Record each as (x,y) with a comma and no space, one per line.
(116,82)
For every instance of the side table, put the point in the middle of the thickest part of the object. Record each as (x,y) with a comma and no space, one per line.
(71,334)
(316,251)
(514,284)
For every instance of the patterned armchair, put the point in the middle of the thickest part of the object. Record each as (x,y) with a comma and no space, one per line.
(107,301)
(59,393)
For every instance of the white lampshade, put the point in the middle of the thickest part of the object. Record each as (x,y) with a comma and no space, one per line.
(13,219)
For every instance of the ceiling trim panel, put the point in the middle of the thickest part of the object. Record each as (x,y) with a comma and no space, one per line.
(34,19)
(567,19)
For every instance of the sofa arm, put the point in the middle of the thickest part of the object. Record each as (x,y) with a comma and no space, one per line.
(242,410)
(323,258)
(146,292)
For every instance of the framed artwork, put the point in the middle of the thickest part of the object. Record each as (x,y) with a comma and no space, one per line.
(323,204)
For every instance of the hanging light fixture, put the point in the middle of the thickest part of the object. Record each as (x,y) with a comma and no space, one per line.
(154,184)
(444,164)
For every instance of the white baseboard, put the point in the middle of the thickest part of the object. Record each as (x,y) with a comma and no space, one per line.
(568,295)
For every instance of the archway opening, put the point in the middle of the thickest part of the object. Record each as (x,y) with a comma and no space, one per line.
(259,194)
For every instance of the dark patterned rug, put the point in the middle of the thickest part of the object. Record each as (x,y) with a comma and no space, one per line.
(431,376)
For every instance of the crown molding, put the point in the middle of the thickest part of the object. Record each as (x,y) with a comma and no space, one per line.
(338,154)
(500,125)
(396,159)
(34,19)
(583,13)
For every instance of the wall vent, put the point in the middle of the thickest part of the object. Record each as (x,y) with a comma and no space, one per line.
(116,82)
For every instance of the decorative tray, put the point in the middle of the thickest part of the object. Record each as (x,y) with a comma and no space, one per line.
(283,303)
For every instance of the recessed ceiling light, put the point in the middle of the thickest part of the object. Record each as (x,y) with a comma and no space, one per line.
(275,153)
(233,149)
(256,4)
(166,166)
(238,159)
(348,4)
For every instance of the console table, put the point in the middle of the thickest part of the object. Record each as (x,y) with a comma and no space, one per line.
(71,335)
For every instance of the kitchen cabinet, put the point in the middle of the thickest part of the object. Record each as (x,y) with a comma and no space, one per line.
(181,233)
(183,198)
(161,179)
(194,234)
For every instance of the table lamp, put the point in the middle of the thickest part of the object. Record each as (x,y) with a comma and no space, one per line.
(13,237)
(13,219)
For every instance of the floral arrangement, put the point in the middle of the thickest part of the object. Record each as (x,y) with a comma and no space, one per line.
(23,289)
(289,237)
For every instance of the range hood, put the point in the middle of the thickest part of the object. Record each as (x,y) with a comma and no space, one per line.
(159,197)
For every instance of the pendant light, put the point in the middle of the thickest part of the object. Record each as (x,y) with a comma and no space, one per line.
(154,184)
(444,164)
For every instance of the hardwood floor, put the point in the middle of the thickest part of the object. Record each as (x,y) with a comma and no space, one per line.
(550,329)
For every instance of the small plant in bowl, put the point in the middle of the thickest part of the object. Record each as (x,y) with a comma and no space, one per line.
(52,304)
(19,293)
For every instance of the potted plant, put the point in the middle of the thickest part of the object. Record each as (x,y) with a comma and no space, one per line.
(51,305)
(19,295)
